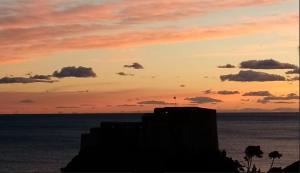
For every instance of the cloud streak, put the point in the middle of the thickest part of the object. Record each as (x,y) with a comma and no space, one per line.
(41,77)
(209,91)
(225,92)
(202,100)
(252,76)
(23,80)
(80,72)
(124,74)
(294,71)
(266,64)
(279,99)
(226,66)
(20,15)
(257,93)
(294,78)
(40,41)
(134,65)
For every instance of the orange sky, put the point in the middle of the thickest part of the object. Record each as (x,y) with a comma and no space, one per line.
(136,55)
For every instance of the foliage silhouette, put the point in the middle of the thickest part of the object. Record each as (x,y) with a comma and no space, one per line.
(273,155)
(250,153)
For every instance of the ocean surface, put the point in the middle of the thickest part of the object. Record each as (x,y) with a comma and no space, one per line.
(45,143)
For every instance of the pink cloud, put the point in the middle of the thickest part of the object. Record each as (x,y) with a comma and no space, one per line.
(42,45)
(145,11)
(34,13)
(39,28)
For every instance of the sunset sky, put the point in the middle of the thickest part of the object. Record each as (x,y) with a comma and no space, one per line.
(72,56)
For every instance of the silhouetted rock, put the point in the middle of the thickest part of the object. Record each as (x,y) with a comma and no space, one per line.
(170,139)
(275,169)
(294,167)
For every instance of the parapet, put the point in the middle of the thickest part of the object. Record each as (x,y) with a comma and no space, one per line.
(192,129)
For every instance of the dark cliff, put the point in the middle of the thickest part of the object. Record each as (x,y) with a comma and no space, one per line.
(170,139)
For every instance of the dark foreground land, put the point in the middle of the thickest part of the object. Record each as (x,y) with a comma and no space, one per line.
(165,141)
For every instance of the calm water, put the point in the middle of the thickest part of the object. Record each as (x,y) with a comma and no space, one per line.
(46,143)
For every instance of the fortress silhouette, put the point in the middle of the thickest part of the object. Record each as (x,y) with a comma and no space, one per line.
(170,139)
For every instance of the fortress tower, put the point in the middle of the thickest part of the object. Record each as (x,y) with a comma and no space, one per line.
(170,139)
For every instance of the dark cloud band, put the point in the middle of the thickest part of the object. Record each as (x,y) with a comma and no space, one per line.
(134,65)
(252,76)
(82,72)
(224,92)
(23,80)
(226,66)
(124,74)
(268,99)
(266,64)
(257,93)
(201,100)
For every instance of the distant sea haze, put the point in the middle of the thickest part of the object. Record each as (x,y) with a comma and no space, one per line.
(44,143)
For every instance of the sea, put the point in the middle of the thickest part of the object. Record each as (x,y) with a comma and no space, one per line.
(46,143)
